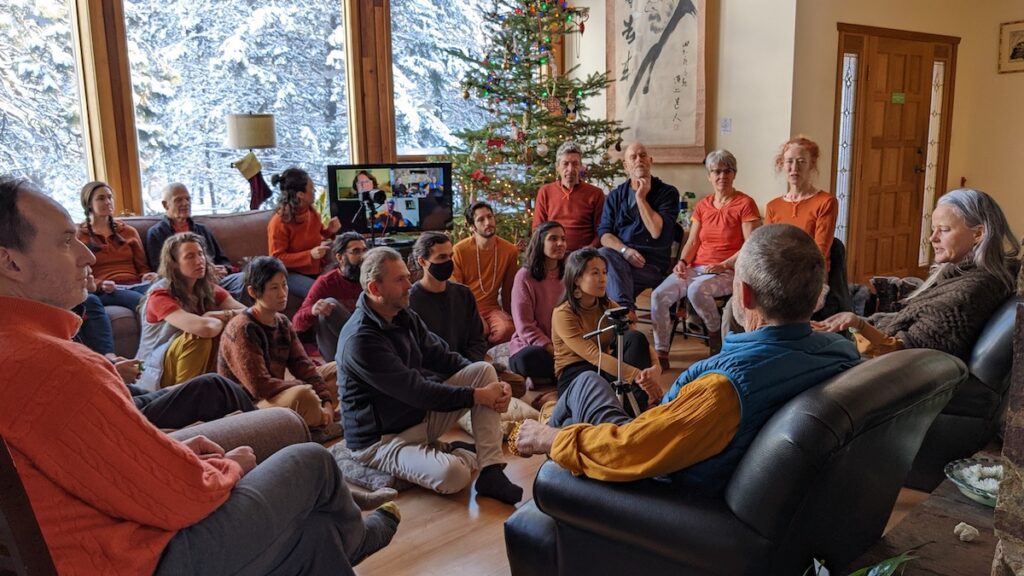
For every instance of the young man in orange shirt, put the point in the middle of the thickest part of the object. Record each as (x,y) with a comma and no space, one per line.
(488,264)
(150,504)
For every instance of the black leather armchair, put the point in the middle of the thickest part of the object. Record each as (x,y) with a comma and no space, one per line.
(820,480)
(973,415)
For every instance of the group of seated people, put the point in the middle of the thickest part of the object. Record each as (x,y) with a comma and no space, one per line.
(410,357)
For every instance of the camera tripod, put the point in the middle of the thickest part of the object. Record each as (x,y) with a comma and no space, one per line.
(624,391)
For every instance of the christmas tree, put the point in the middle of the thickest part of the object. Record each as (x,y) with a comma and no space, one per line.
(533,107)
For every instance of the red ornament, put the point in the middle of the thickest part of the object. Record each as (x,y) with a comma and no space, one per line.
(496,142)
(480,177)
(519,11)
(582,28)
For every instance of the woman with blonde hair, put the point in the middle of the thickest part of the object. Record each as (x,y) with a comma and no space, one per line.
(183,315)
(803,205)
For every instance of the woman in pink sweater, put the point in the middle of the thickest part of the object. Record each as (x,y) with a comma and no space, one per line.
(537,289)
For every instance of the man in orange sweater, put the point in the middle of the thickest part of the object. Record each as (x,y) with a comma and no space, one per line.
(487,263)
(570,201)
(112,493)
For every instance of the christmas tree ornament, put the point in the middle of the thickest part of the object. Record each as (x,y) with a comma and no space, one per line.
(465,93)
(542,149)
(618,145)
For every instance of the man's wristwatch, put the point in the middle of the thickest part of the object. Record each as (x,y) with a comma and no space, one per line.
(623,250)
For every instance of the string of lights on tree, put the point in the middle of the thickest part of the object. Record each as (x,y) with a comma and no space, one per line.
(534,108)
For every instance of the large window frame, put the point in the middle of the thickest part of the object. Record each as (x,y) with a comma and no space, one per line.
(108,114)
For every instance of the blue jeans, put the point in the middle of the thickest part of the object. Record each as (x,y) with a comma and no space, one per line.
(95,332)
(126,298)
(625,281)
(292,514)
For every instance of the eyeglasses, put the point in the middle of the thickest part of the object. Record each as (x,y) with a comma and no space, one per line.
(721,171)
(797,161)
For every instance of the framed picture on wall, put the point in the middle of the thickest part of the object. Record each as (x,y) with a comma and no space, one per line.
(655,56)
(1011,47)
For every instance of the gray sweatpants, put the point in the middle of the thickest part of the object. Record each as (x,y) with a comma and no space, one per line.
(589,399)
(292,514)
(413,454)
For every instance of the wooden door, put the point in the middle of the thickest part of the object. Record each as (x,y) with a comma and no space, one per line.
(890,142)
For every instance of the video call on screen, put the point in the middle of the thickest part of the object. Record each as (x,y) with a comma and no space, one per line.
(415,199)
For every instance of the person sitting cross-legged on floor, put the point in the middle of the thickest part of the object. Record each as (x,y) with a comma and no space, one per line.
(110,491)
(183,315)
(395,409)
(259,344)
(537,289)
(447,308)
(331,300)
(713,412)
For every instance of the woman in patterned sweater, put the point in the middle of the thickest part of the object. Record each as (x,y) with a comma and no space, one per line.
(259,344)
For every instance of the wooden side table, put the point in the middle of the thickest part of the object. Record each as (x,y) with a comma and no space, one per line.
(931,523)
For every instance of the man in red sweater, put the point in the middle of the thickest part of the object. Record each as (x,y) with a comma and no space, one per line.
(571,202)
(332,299)
(112,493)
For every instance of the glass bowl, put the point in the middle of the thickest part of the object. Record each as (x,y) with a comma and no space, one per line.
(957,472)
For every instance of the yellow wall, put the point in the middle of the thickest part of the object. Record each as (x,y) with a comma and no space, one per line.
(750,79)
(994,136)
(988,118)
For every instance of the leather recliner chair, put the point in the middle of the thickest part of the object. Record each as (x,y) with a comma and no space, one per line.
(819,481)
(973,415)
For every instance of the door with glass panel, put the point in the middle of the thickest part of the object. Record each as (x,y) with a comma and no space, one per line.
(894,91)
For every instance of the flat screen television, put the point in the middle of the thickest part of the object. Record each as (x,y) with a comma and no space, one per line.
(391,198)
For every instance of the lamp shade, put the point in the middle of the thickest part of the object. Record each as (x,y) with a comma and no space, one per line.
(251,131)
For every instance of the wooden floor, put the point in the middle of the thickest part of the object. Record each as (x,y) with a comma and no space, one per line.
(459,535)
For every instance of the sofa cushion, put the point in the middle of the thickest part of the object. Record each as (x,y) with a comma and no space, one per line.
(240,235)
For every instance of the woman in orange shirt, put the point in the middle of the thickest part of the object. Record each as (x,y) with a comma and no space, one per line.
(720,224)
(121,272)
(296,236)
(803,205)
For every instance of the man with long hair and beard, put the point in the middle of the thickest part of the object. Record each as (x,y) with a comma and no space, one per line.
(333,296)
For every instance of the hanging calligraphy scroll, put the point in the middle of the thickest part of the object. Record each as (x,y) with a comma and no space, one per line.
(655,54)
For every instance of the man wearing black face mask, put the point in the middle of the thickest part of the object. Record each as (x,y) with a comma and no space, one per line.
(333,296)
(447,308)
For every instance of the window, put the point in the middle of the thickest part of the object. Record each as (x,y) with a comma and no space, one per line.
(40,106)
(429,107)
(193,62)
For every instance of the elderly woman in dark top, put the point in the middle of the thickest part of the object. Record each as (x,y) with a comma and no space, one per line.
(976,261)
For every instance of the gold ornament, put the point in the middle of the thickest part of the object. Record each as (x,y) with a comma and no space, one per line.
(465,93)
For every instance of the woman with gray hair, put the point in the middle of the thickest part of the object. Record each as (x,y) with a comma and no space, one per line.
(976,261)
(720,224)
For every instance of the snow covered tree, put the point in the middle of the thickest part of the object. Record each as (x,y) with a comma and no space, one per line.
(40,118)
(532,108)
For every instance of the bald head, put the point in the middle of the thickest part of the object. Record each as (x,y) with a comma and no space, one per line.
(637,162)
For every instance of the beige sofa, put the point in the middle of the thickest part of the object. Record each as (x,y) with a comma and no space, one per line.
(240,235)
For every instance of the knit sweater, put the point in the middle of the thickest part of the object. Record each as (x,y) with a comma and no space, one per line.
(122,262)
(533,303)
(329,285)
(578,211)
(256,355)
(108,489)
(291,242)
(948,316)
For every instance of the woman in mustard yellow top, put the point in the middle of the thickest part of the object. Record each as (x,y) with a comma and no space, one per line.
(584,303)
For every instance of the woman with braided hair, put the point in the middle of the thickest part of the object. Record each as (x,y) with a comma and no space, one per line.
(121,272)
